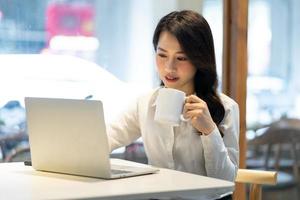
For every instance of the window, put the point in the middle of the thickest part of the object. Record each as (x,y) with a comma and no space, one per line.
(273,86)
(213,13)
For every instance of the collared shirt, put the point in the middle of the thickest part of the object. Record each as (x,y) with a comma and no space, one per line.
(181,147)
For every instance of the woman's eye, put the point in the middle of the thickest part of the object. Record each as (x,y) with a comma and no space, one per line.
(162,55)
(181,58)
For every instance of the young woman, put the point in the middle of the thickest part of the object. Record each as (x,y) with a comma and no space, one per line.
(207,144)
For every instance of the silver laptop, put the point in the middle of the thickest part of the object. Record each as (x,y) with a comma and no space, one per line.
(69,136)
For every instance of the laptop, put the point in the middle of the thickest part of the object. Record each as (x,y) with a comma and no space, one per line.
(69,136)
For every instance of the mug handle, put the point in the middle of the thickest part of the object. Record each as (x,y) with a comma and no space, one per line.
(181,116)
(184,119)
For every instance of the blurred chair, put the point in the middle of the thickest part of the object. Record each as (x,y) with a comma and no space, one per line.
(20,153)
(281,134)
(16,138)
(256,178)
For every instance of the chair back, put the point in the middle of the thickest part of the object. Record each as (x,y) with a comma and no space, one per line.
(286,130)
(256,178)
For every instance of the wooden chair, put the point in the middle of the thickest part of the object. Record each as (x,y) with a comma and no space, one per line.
(256,178)
(282,133)
(285,132)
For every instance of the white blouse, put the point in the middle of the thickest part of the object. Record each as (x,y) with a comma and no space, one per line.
(181,148)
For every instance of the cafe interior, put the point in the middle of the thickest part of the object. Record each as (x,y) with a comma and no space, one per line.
(106,45)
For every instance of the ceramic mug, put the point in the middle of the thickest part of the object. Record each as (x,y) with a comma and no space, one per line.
(169,106)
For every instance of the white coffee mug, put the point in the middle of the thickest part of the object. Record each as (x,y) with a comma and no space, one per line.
(169,106)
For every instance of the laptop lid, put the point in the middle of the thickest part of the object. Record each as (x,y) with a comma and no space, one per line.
(68,136)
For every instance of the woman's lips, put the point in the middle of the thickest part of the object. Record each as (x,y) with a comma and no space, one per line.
(171,79)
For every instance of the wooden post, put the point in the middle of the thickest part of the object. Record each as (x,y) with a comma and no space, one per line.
(255,192)
(235,68)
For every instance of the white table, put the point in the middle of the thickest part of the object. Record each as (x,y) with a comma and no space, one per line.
(23,182)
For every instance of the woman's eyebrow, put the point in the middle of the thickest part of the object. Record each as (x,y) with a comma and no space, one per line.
(161,49)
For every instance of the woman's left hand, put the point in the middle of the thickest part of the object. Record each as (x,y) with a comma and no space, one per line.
(197,111)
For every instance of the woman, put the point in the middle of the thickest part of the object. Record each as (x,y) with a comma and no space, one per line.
(207,144)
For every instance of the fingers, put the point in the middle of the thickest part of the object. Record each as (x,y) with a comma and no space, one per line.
(194,113)
(192,106)
(193,99)
(197,111)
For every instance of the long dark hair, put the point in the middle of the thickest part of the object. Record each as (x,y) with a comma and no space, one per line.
(195,38)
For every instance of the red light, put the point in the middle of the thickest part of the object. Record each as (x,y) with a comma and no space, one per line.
(69,20)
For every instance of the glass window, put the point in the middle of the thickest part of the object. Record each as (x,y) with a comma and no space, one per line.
(273,86)
(213,13)
(114,34)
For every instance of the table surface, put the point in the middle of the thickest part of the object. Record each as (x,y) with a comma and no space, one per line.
(23,182)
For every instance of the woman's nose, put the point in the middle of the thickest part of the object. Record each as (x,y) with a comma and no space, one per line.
(170,65)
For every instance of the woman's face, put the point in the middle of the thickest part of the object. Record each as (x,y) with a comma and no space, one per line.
(174,68)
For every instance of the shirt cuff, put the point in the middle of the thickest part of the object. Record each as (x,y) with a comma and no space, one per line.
(214,139)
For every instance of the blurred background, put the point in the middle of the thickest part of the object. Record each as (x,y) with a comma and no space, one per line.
(90,48)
